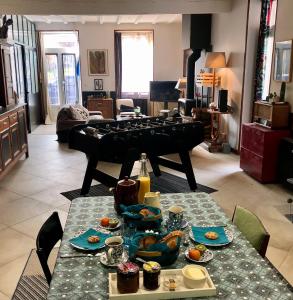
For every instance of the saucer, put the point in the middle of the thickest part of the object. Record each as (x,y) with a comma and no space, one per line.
(110,228)
(104,260)
(184,224)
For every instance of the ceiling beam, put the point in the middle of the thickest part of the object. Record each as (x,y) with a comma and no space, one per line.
(173,19)
(113,7)
(155,19)
(136,20)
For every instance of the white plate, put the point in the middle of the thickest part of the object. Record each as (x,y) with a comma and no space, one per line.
(228,233)
(104,260)
(110,228)
(207,256)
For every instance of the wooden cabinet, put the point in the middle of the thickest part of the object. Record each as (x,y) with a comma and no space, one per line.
(13,137)
(6,76)
(259,151)
(22,129)
(103,105)
(6,152)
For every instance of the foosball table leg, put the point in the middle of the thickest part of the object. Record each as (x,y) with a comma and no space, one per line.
(155,166)
(187,166)
(88,177)
(126,169)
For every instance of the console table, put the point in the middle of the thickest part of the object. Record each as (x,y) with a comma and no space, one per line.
(216,116)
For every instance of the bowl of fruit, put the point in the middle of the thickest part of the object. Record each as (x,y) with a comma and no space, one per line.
(199,254)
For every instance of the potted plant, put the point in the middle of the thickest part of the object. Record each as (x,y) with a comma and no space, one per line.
(4,29)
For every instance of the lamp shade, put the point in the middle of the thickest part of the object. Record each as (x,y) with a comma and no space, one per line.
(215,60)
(181,83)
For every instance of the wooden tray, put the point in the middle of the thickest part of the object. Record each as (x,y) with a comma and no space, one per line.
(208,289)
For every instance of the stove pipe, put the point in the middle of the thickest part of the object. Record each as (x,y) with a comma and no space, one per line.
(190,72)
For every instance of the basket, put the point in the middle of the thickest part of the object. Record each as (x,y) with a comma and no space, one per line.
(133,218)
(159,252)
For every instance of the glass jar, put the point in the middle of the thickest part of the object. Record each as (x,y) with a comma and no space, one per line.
(127,278)
(151,275)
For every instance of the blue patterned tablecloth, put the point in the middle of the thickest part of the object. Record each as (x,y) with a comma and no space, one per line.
(237,270)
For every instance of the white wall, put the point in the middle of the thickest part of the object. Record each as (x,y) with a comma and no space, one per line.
(228,35)
(168,53)
(284,31)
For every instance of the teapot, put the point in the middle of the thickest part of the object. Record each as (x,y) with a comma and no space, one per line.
(126,192)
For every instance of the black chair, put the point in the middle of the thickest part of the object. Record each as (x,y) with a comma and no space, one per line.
(50,233)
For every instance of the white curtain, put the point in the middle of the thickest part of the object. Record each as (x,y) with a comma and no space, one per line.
(48,114)
(137,63)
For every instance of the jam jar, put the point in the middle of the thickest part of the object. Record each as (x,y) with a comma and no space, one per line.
(151,275)
(127,278)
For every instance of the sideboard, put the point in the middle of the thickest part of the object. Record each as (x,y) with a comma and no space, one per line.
(259,151)
(13,136)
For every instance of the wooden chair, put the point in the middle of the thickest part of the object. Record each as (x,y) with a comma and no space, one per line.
(50,233)
(252,228)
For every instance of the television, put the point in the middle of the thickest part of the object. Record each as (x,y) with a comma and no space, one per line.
(164,91)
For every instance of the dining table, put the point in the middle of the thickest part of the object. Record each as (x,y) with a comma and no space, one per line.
(237,270)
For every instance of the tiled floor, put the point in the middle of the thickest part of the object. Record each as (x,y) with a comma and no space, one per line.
(31,192)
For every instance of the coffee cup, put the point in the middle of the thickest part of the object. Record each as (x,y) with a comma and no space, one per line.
(152,199)
(176,215)
(114,249)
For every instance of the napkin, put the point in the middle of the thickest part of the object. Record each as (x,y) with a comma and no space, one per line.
(81,240)
(199,235)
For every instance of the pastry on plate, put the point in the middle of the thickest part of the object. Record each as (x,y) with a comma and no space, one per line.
(93,239)
(211,235)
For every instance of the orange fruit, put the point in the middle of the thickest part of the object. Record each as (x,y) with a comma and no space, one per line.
(194,254)
(105,222)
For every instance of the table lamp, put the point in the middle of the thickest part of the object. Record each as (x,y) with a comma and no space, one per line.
(215,60)
(181,86)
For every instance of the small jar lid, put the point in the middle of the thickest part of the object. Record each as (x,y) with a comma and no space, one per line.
(127,267)
(152,266)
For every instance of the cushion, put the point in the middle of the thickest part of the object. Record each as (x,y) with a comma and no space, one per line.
(75,114)
(82,110)
(95,117)
(126,108)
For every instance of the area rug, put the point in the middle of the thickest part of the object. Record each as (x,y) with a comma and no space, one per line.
(166,183)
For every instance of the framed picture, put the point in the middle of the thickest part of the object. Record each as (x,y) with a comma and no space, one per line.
(283,61)
(97,62)
(98,83)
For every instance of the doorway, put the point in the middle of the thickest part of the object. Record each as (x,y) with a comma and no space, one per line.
(61,75)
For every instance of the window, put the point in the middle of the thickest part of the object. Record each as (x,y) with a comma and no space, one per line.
(269,45)
(137,63)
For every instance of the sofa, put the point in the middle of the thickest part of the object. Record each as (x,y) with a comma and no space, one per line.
(72,115)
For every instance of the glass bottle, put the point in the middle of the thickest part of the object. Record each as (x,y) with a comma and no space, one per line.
(144,178)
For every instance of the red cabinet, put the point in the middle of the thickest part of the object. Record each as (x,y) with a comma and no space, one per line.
(259,151)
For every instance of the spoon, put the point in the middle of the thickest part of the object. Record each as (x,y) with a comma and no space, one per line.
(146,262)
